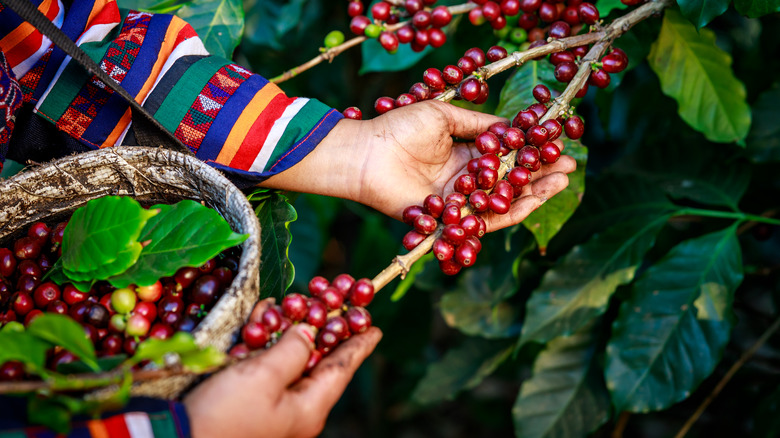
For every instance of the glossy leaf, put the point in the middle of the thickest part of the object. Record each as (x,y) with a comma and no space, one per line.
(50,413)
(220,24)
(671,333)
(203,359)
(478,308)
(463,367)
(155,350)
(101,239)
(763,142)
(155,6)
(701,12)
(67,333)
(270,21)
(757,8)
(24,347)
(311,230)
(183,234)
(579,287)
(516,93)
(566,395)
(697,74)
(548,219)
(607,6)
(276,271)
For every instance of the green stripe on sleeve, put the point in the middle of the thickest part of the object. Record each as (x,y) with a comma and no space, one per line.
(163,425)
(13,434)
(180,98)
(300,126)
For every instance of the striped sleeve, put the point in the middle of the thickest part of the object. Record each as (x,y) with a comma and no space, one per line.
(232,119)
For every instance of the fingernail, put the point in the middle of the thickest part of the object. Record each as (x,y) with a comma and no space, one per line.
(307,331)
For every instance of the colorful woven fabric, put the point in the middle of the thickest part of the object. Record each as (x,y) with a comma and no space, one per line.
(10,101)
(232,119)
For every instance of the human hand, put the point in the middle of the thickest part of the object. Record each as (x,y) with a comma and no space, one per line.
(400,157)
(268,395)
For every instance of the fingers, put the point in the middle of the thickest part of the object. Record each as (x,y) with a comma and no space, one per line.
(538,192)
(286,361)
(465,123)
(330,377)
(260,308)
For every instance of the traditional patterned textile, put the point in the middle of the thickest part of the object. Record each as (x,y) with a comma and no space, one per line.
(10,101)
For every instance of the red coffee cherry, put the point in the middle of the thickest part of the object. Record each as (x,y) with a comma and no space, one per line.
(361,293)
(442,249)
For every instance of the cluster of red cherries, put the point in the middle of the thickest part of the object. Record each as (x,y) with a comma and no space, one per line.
(480,187)
(115,320)
(566,66)
(336,309)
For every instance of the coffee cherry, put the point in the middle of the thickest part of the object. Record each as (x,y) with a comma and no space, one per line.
(510,8)
(498,203)
(466,184)
(574,127)
(614,63)
(389,41)
(504,188)
(560,57)
(536,135)
(146,309)
(353,113)
(559,29)
(476,18)
(421,19)
(78,311)
(204,290)
(412,239)
(383,105)
(29,267)
(554,129)
(317,285)
(486,178)
(465,255)
(332,298)
(487,143)
(498,128)
(97,315)
(111,345)
(469,89)
(484,92)
(491,10)
(272,319)
(434,79)
(355,8)
(207,267)
(474,242)
(421,40)
(528,157)
(565,71)
(358,319)
(588,13)
(123,300)
(452,74)
(317,314)
(519,176)
(380,11)
(599,78)
(294,306)
(434,204)
(525,119)
(479,199)
(333,39)
(580,51)
(425,224)
(23,304)
(343,283)
(442,249)
(541,93)
(358,24)
(549,153)
(361,293)
(11,371)
(27,248)
(489,161)
(477,55)
(405,99)
(570,15)
(186,276)
(440,16)
(7,262)
(161,331)
(420,91)
(413,6)
(470,225)
(456,198)
(327,341)
(255,335)
(39,231)
(514,138)
(496,53)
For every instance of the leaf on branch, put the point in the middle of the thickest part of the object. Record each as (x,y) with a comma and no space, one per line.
(276,271)
(463,367)
(516,93)
(220,24)
(763,142)
(566,396)
(548,219)
(607,6)
(408,281)
(311,230)
(701,12)
(101,239)
(64,331)
(697,74)
(671,333)
(49,412)
(184,234)
(579,287)
(24,347)
(477,308)
(757,8)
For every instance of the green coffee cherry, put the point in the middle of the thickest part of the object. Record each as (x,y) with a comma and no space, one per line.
(334,38)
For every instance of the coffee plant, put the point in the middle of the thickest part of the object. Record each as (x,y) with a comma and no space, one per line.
(640,301)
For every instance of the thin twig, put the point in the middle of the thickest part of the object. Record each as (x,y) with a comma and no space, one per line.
(331,53)
(603,39)
(727,377)
(620,426)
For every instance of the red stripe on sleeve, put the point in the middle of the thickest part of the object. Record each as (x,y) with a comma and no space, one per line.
(257,134)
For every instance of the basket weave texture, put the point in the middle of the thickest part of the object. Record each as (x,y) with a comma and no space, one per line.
(52,191)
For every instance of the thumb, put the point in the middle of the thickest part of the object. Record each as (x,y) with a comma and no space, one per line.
(466,124)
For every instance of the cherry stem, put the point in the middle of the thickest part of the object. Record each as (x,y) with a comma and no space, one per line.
(331,53)
(401,264)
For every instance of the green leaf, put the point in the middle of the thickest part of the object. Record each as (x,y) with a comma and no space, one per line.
(548,219)
(579,287)
(220,24)
(671,333)
(155,349)
(376,59)
(50,413)
(184,234)
(701,12)
(12,327)
(607,6)
(269,21)
(155,6)
(478,308)
(24,347)
(763,142)
(408,281)
(566,395)
(276,271)
(202,360)
(516,93)
(106,363)
(63,331)
(463,367)
(697,74)
(101,239)
(757,8)
(312,232)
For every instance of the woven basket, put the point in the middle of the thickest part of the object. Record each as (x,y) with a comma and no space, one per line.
(53,190)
